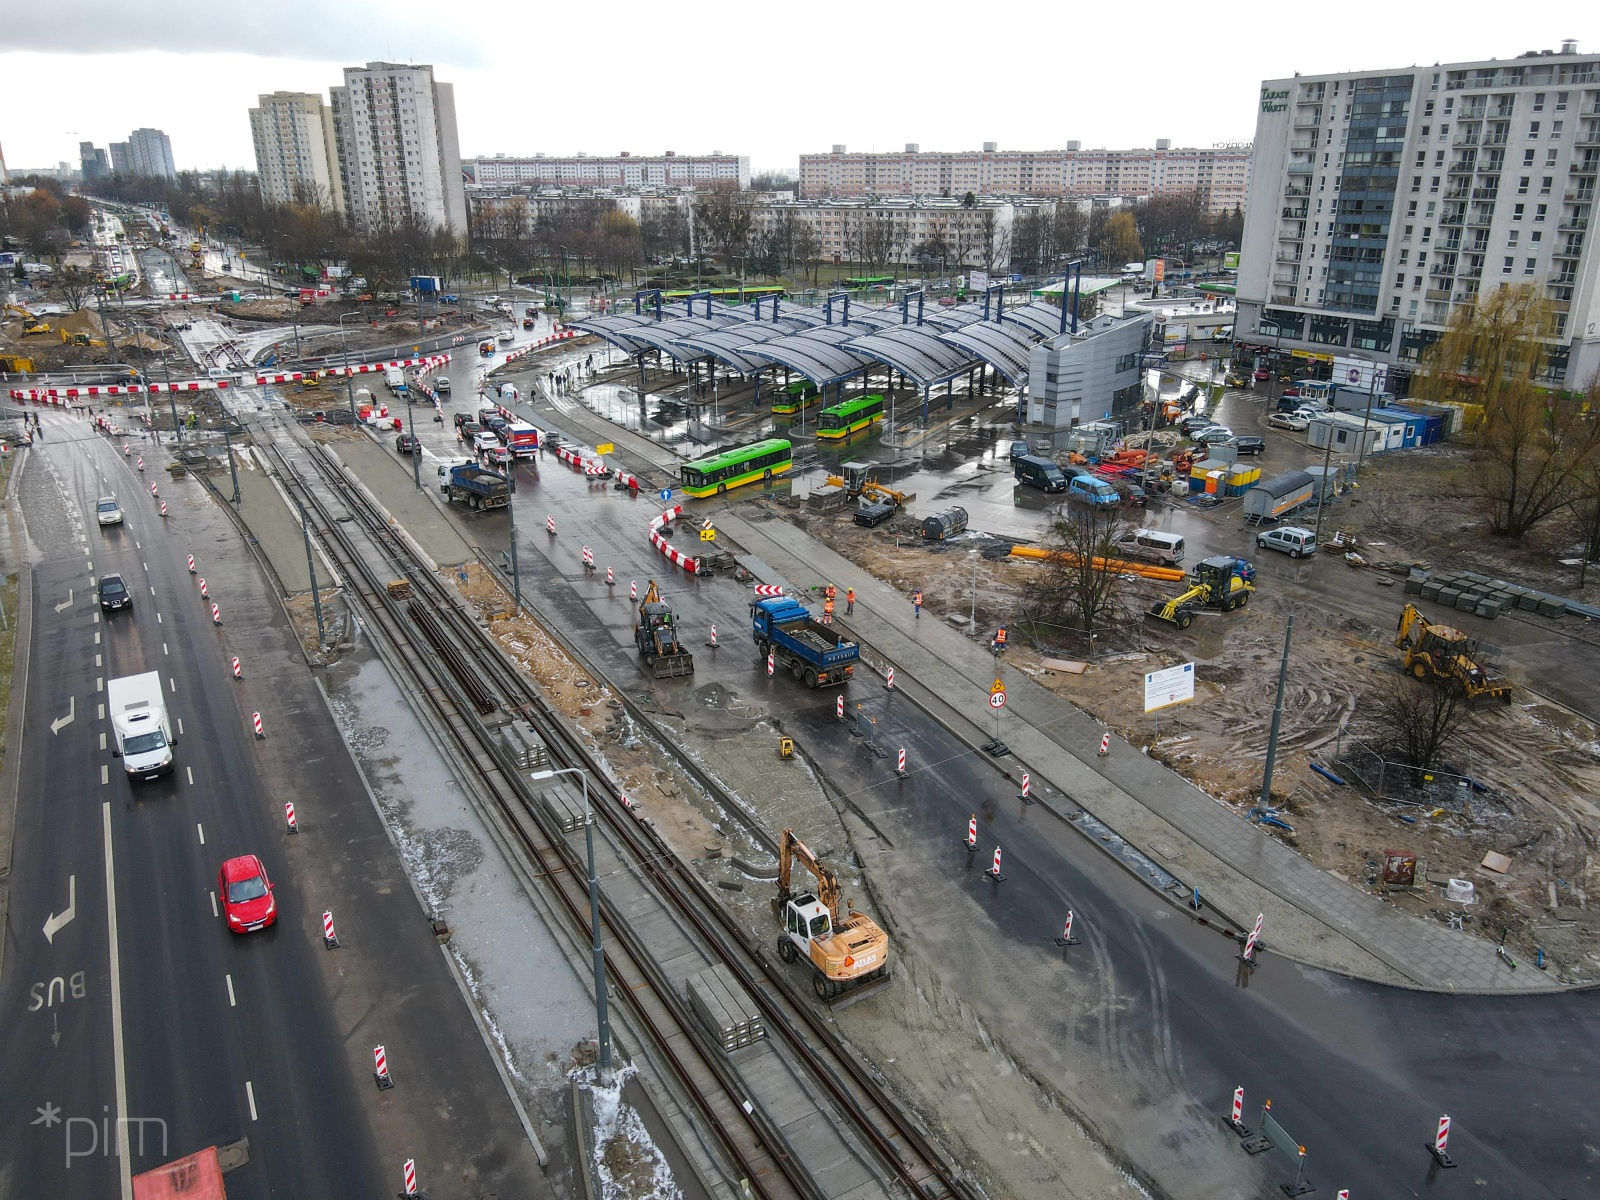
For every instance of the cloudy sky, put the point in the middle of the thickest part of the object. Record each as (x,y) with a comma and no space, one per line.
(770,80)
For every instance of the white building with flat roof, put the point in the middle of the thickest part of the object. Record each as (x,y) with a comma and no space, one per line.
(398,153)
(297,159)
(1383,201)
(669,170)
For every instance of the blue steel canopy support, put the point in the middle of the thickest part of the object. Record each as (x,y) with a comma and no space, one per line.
(638,301)
(905,306)
(992,289)
(693,296)
(759,301)
(827,306)
(1074,272)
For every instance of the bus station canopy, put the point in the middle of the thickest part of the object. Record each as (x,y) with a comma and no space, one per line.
(733,344)
(1004,347)
(666,336)
(915,352)
(1043,319)
(819,354)
(614,327)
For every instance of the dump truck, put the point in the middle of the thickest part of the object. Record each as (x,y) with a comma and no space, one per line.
(782,627)
(656,635)
(843,954)
(140,724)
(1445,654)
(1217,582)
(478,486)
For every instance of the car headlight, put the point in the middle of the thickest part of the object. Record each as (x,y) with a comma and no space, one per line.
(166,760)
(272,905)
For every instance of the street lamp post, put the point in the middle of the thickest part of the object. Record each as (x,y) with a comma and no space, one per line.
(601,1021)
(344,346)
(511,517)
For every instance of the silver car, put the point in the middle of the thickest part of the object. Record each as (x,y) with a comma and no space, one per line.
(107,511)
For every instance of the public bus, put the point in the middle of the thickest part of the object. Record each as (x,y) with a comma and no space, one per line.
(795,396)
(842,420)
(716,473)
(859,282)
(729,295)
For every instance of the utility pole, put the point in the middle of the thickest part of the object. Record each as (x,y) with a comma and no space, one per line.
(311,570)
(511,516)
(349,387)
(1277,717)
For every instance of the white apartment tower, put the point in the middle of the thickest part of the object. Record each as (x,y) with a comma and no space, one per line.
(1380,201)
(150,153)
(297,158)
(397,149)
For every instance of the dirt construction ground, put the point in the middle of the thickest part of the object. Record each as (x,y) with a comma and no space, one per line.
(1537,764)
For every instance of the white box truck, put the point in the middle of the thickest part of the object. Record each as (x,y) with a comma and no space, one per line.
(139,720)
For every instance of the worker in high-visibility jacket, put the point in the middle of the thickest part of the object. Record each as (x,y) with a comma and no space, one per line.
(827,611)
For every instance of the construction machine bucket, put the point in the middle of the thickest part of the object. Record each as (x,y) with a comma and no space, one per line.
(667,666)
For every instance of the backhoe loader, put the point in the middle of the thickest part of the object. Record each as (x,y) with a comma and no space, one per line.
(1431,651)
(1218,583)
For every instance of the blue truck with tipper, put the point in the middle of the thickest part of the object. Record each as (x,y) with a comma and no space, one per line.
(478,486)
(782,627)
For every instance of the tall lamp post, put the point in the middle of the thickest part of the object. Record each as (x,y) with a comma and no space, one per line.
(601,1021)
(344,346)
(511,517)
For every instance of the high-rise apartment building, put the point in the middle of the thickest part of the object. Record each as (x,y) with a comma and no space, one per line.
(150,153)
(623,170)
(93,161)
(1220,173)
(297,159)
(397,149)
(1383,201)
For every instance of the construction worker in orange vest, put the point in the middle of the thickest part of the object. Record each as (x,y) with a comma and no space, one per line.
(1000,639)
(827,611)
(849,602)
(916,600)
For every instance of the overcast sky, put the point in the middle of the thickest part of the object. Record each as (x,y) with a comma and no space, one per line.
(769,80)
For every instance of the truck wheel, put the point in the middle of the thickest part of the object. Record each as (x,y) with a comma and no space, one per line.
(787,949)
(1185,620)
(1227,604)
(761,646)
(1244,598)
(811,679)
(1420,669)
(766,475)
(824,987)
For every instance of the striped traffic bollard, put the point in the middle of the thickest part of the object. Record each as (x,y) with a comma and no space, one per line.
(713,642)
(1105,743)
(126,450)
(255,722)
(140,462)
(154,491)
(771,664)
(888,682)
(1027,785)
(380,1069)
(550,526)
(216,614)
(900,763)
(1342,1194)
(633,589)
(238,672)
(972,833)
(610,579)
(411,1177)
(1248,954)
(588,558)
(994,871)
(191,564)
(163,508)
(290,821)
(203,593)
(1440,1146)
(330,939)
(838,707)
(1066,939)
(1236,1113)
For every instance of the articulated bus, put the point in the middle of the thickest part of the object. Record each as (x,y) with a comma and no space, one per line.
(842,420)
(858,282)
(730,295)
(716,473)
(800,394)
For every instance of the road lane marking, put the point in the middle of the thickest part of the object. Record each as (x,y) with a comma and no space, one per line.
(232,1001)
(99,683)
(250,1094)
(102,712)
(91,576)
(96,637)
(214,912)
(72,715)
(146,566)
(124,1159)
(180,726)
(55,922)
(201,830)
(97,618)
(105,773)
(158,618)
(102,741)
(152,589)
(190,772)
(164,649)
(173,682)
(136,544)
(97,660)
(67,603)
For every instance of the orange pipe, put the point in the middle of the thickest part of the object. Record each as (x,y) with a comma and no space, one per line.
(1119,565)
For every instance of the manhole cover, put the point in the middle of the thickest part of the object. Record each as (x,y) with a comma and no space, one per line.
(1166,849)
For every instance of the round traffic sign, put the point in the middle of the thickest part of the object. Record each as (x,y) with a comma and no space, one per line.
(665,493)
(997,700)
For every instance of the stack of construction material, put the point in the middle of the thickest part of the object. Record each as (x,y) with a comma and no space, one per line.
(1468,591)
(725,1008)
(526,747)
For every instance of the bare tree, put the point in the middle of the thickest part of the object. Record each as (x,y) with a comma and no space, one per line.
(74,287)
(806,249)
(1075,592)
(1418,722)
(878,237)
(723,216)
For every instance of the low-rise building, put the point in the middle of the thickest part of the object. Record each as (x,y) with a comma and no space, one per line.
(624,170)
(1092,375)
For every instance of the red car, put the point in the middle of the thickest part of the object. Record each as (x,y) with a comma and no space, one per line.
(1262,374)
(247,900)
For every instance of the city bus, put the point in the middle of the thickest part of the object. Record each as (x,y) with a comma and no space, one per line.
(728,295)
(795,396)
(867,281)
(842,420)
(716,473)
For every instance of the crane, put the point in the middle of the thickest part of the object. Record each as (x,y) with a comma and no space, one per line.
(843,954)
(856,483)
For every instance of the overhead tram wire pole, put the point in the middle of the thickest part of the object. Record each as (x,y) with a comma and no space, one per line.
(603,1026)
(344,346)
(511,516)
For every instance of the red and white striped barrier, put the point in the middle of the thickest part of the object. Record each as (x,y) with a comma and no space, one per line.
(900,763)
(1105,744)
(411,1177)
(994,871)
(628,480)
(1250,943)
(1441,1137)
(154,491)
(290,821)
(972,832)
(191,564)
(838,707)
(550,525)
(550,339)
(380,1068)
(1236,1113)
(238,673)
(203,591)
(771,664)
(888,682)
(588,558)
(427,364)
(289,377)
(713,642)
(579,457)
(255,723)
(1066,939)
(163,508)
(1027,784)
(673,555)
(139,463)
(611,580)
(633,589)
(330,939)
(768,589)
(181,296)
(216,614)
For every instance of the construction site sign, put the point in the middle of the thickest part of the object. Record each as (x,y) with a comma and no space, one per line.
(605,448)
(1172,685)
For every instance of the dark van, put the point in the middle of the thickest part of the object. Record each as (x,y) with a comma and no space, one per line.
(1041,473)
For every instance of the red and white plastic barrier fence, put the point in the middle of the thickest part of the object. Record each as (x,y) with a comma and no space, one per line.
(673,555)
(427,364)
(550,339)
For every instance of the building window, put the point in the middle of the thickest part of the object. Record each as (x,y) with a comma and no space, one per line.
(1522,186)
(1516,212)
(1433,188)
(1544,185)
(1527,158)
(1505,268)
(1527,267)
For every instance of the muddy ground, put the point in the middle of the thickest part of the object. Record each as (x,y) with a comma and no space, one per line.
(1538,764)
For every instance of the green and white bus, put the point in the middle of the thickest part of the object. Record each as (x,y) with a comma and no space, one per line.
(800,394)
(842,420)
(716,473)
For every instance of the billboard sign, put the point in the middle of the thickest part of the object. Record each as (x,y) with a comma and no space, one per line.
(1359,373)
(1173,685)
(977,281)
(1230,261)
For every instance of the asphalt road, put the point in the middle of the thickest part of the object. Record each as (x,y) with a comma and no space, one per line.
(266,1035)
(1145,1017)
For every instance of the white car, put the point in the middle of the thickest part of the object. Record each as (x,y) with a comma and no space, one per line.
(1291,421)
(1307,414)
(107,511)
(484,439)
(1213,433)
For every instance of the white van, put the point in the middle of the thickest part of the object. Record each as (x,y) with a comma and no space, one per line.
(1291,539)
(1152,545)
(394,379)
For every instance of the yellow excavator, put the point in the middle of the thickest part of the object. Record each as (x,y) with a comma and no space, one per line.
(1221,582)
(16,310)
(82,339)
(857,482)
(1441,652)
(38,327)
(843,954)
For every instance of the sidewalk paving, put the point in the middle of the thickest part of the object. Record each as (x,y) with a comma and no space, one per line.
(1310,915)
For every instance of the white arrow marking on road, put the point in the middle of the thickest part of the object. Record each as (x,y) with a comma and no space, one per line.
(67,603)
(72,715)
(55,1033)
(55,921)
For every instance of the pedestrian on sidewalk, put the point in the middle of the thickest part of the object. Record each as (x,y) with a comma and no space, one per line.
(916,601)
(849,602)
